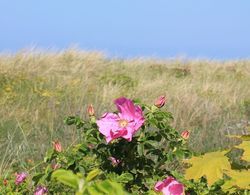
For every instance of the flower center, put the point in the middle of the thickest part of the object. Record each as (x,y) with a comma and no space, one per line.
(123,123)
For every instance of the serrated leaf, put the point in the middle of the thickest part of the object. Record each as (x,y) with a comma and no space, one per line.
(245,137)
(140,149)
(104,187)
(245,145)
(107,187)
(235,158)
(66,177)
(92,190)
(210,165)
(49,155)
(70,120)
(92,174)
(37,177)
(152,143)
(125,177)
(239,179)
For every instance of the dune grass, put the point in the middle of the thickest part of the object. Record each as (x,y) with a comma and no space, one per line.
(39,89)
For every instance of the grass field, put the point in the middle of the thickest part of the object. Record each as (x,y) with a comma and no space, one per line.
(39,89)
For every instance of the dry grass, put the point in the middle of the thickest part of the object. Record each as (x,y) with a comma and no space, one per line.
(37,90)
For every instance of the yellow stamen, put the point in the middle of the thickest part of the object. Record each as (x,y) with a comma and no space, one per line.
(123,123)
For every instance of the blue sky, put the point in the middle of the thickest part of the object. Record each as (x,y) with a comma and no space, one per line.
(217,29)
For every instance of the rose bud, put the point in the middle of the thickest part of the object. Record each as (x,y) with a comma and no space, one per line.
(55,166)
(5,182)
(114,161)
(29,161)
(185,134)
(20,178)
(91,146)
(41,190)
(90,110)
(57,146)
(160,102)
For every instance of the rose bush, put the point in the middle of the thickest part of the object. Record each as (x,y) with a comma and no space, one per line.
(131,150)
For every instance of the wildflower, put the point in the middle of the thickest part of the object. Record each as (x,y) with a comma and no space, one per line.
(114,161)
(57,146)
(20,178)
(90,110)
(160,102)
(169,186)
(124,124)
(5,182)
(185,134)
(41,190)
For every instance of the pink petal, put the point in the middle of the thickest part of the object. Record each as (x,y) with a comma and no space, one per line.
(126,107)
(166,191)
(159,186)
(124,124)
(128,136)
(118,134)
(176,189)
(168,180)
(114,161)
(108,123)
(169,186)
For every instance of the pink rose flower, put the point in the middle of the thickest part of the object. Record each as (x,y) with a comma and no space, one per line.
(90,110)
(40,190)
(5,182)
(169,186)
(124,124)
(55,166)
(185,134)
(160,102)
(114,161)
(20,178)
(57,146)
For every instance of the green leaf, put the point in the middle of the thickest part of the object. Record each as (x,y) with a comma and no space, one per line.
(92,190)
(36,178)
(140,149)
(49,155)
(124,178)
(92,174)
(66,177)
(111,188)
(106,187)
(151,143)
(70,120)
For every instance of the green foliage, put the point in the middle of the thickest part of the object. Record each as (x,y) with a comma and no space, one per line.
(67,178)
(150,154)
(156,151)
(86,185)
